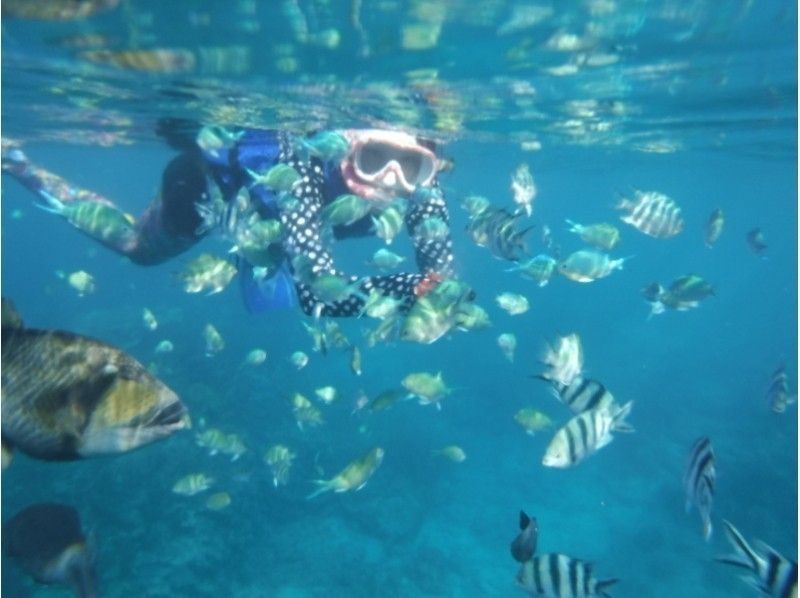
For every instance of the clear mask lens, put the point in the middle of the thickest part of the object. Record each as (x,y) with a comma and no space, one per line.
(373,157)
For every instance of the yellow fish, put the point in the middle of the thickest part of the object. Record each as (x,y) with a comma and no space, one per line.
(352,477)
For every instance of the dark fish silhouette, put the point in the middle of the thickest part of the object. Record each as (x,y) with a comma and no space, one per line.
(46,540)
(68,397)
(756,242)
(524,545)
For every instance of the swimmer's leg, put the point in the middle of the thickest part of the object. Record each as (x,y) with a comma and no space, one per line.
(166,228)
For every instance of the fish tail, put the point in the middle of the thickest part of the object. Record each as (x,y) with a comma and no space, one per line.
(656,307)
(618,263)
(744,556)
(622,202)
(619,424)
(707,528)
(573,226)
(601,586)
(324,486)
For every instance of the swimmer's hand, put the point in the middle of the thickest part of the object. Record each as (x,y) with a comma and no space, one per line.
(13,158)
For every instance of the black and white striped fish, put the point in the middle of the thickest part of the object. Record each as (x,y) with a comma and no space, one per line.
(554,575)
(772,574)
(585,434)
(582,394)
(699,480)
(778,391)
(652,213)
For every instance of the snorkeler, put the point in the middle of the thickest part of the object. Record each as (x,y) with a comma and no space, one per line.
(381,167)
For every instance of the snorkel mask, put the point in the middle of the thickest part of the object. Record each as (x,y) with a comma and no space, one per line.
(381,165)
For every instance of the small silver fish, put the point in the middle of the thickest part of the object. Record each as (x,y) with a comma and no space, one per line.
(714,227)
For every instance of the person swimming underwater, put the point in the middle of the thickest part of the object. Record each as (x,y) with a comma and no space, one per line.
(376,165)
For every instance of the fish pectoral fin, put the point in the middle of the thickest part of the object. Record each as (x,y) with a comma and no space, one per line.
(624,427)
(604,441)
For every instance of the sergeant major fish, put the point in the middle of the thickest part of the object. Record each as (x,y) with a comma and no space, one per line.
(585,434)
(428,387)
(513,303)
(149,319)
(778,392)
(539,268)
(602,236)
(68,397)
(193,483)
(213,340)
(565,360)
(532,420)
(384,259)
(325,145)
(699,480)
(83,282)
(587,265)
(279,459)
(354,476)
(453,452)
(684,293)
(345,210)
(583,394)
(389,221)
(652,213)
(716,221)
(523,188)
(508,345)
(554,575)
(207,272)
(771,574)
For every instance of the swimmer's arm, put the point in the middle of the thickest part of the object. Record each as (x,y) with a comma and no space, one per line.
(433,255)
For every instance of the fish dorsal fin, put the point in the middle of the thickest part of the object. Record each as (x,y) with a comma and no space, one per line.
(524,520)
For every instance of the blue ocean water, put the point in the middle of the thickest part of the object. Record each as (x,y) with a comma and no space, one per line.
(695,99)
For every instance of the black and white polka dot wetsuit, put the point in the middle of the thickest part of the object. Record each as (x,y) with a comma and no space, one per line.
(303,232)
